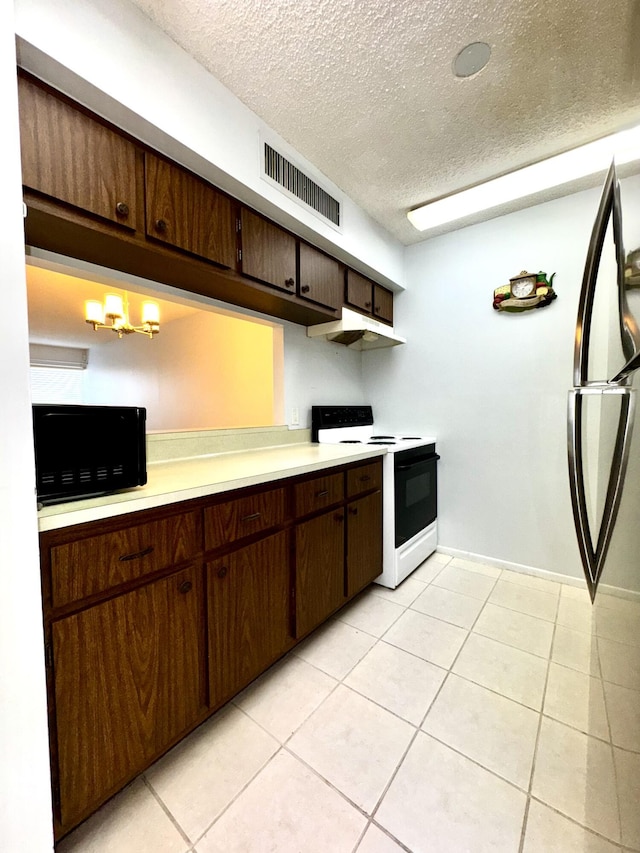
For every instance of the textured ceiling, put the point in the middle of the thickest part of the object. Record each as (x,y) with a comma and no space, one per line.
(364,89)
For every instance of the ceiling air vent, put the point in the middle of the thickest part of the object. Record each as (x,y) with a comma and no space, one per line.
(290,178)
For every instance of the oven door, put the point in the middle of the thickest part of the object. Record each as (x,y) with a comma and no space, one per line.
(416,491)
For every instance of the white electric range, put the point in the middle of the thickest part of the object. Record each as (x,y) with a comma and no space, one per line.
(410,493)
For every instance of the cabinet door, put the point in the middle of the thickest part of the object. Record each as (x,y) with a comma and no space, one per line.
(359,292)
(321,278)
(71,158)
(382,304)
(268,252)
(185,211)
(364,542)
(319,569)
(249,614)
(127,682)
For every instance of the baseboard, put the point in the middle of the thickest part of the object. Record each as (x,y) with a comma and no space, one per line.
(620,592)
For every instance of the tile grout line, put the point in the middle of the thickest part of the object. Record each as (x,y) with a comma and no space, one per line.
(167,811)
(614,764)
(419,728)
(534,757)
(531,796)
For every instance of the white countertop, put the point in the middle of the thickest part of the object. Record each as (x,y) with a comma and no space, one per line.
(184,479)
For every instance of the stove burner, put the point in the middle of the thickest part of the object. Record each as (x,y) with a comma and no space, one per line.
(411,437)
(350,441)
(381,442)
(384,437)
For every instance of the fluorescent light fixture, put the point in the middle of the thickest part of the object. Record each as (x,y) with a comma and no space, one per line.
(563,169)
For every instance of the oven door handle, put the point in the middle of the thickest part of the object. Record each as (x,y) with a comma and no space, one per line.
(417,462)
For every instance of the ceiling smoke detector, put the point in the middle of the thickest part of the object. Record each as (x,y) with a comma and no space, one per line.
(471,59)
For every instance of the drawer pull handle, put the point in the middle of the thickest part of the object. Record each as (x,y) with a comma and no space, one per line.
(322,494)
(339,516)
(365,478)
(305,288)
(222,573)
(144,553)
(122,208)
(253,517)
(353,510)
(185,587)
(289,282)
(161,225)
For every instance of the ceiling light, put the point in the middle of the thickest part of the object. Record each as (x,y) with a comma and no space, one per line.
(554,172)
(471,59)
(115,311)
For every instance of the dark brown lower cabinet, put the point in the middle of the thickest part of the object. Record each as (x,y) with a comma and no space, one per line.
(364,550)
(139,656)
(319,569)
(127,683)
(249,623)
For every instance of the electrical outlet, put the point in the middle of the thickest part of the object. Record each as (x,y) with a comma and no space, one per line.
(295,416)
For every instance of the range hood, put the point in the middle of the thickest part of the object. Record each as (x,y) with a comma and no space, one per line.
(356,331)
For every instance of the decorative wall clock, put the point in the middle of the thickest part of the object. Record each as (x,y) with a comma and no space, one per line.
(525,291)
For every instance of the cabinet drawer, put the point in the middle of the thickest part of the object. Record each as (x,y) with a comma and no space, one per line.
(243,516)
(89,566)
(318,493)
(364,478)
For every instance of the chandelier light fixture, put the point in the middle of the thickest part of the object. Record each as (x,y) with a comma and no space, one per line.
(114,315)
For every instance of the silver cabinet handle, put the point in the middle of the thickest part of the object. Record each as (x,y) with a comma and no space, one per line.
(145,552)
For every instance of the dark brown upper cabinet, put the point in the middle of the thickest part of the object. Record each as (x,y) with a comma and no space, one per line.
(359,292)
(321,278)
(184,211)
(268,252)
(382,304)
(95,193)
(72,158)
(369,298)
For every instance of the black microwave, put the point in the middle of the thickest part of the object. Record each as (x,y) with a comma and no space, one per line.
(82,451)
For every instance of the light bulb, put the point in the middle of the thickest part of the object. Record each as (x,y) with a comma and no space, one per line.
(93,312)
(113,307)
(150,313)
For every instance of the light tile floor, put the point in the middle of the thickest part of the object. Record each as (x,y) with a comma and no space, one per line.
(471,709)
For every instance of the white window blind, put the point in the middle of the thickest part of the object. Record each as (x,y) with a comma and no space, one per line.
(56,385)
(57,373)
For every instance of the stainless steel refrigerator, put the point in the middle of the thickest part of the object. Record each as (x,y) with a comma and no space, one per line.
(601,406)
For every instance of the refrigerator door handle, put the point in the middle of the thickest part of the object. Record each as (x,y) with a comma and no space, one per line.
(588,288)
(609,207)
(593,558)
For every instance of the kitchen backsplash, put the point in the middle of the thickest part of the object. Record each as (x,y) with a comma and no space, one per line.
(166,446)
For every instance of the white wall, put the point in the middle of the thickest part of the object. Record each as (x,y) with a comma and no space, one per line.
(25,806)
(187,384)
(493,386)
(108,55)
(319,373)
